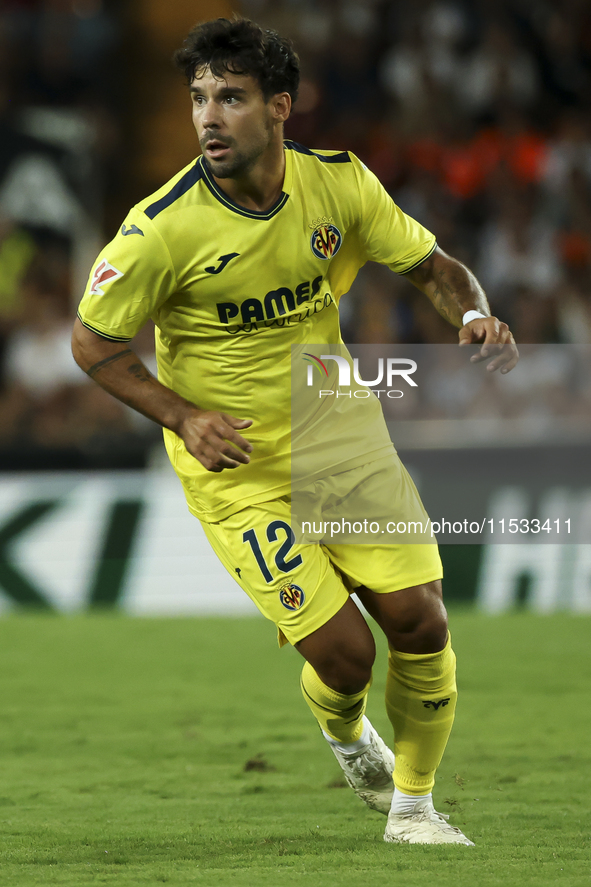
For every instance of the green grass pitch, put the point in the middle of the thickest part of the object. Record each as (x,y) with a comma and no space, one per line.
(179,751)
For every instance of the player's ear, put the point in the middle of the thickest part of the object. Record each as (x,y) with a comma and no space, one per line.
(281,106)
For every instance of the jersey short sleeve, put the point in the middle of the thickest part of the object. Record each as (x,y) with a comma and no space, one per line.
(131,278)
(386,233)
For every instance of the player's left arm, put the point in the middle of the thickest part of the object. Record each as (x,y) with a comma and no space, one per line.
(454,290)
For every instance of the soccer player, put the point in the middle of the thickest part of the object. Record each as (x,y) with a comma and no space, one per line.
(243,254)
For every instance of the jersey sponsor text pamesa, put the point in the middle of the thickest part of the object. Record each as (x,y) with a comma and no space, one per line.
(277,308)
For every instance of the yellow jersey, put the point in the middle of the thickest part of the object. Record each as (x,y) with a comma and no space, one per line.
(232,290)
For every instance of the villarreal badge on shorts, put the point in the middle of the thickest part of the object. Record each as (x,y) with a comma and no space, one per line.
(292,596)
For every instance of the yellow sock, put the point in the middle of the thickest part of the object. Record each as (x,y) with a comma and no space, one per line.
(340,716)
(421,697)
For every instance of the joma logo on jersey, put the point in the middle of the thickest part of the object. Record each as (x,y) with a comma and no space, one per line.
(103,273)
(326,241)
(275,303)
(222,262)
(292,597)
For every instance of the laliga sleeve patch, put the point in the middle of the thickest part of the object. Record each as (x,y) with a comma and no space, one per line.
(103,273)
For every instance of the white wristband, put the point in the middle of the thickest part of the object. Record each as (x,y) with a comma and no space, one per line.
(472,315)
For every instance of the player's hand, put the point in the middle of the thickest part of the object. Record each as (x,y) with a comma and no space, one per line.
(497,342)
(213,439)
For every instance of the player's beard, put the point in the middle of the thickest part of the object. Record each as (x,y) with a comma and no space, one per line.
(242,160)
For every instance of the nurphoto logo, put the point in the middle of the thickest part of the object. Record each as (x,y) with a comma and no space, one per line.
(388,370)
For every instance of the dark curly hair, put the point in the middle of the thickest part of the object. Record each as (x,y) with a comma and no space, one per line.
(241,47)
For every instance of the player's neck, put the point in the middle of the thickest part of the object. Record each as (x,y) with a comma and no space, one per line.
(260,188)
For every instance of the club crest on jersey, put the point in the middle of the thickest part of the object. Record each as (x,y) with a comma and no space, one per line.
(292,597)
(103,273)
(326,238)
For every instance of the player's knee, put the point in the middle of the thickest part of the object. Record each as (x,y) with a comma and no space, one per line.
(432,631)
(349,680)
(342,651)
(430,627)
(347,671)
(417,622)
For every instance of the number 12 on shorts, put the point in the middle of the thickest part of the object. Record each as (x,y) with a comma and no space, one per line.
(285,566)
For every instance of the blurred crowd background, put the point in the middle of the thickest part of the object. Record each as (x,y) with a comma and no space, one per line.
(475,115)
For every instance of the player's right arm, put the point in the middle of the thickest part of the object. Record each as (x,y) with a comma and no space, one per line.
(211,437)
(131,279)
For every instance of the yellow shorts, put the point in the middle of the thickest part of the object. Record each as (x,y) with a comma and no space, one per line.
(299,586)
